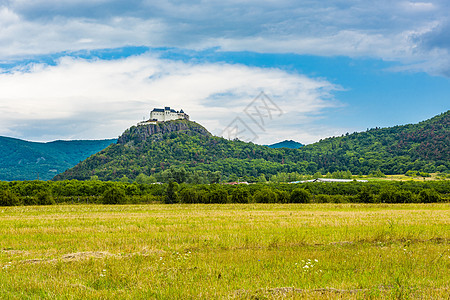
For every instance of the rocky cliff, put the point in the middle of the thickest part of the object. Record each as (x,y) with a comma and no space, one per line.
(155,132)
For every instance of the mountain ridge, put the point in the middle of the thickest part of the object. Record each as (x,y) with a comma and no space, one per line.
(393,150)
(26,160)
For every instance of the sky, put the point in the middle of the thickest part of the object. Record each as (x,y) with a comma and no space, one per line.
(260,71)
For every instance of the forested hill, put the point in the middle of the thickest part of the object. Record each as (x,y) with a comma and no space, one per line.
(393,150)
(286,144)
(157,149)
(23,160)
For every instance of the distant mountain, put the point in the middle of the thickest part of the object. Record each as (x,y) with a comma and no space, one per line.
(23,160)
(286,144)
(153,149)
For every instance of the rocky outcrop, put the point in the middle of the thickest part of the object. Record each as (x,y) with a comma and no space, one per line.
(154,132)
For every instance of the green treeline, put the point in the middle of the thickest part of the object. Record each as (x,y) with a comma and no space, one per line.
(95,191)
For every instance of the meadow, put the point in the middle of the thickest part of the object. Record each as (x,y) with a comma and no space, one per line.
(226,251)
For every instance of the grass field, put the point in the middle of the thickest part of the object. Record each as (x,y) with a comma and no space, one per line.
(244,251)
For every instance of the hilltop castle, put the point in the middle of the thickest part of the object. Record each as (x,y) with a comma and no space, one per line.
(165,114)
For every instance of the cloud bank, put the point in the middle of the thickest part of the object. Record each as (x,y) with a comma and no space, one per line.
(411,32)
(92,99)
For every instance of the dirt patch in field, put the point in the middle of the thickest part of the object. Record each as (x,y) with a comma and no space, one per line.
(283,292)
(14,252)
(77,256)
(85,255)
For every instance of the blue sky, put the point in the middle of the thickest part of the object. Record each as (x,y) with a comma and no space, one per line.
(90,69)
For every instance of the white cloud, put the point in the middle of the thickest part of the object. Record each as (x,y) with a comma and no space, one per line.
(419,6)
(83,99)
(382,29)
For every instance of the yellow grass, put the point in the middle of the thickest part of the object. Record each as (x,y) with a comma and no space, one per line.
(225,251)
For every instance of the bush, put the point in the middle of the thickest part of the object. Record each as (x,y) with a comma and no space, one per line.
(404,197)
(188,195)
(282,196)
(44,197)
(114,195)
(394,195)
(387,195)
(218,196)
(429,196)
(365,196)
(171,193)
(240,195)
(8,198)
(265,196)
(300,196)
(322,199)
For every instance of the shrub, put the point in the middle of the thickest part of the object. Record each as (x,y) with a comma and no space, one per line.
(322,198)
(218,196)
(429,196)
(300,196)
(265,196)
(240,195)
(365,196)
(188,195)
(394,195)
(8,198)
(387,195)
(44,197)
(114,195)
(404,197)
(282,196)
(171,193)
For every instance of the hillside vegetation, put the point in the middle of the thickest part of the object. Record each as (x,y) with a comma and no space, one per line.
(394,150)
(286,144)
(22,160)
(189,147)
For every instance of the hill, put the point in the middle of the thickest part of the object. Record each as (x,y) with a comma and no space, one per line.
(286,144)
(23,160)
(394,150)
(164,148)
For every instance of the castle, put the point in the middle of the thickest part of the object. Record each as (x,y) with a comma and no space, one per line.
(165,114)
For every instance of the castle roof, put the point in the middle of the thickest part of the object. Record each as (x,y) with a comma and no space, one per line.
(167,108)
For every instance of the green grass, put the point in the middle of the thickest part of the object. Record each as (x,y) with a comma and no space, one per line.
(225,251)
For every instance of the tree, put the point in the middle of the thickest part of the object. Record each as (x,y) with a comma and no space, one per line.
(240,195)
(179,175)
(317,175)
(300,196)
(44,197)
(265,196)
(214,177)
(218,196)
(114,195)
(262,178)
(8,198)
(388,195)
(171,193)
(188,195)
(144,179)
(365,196)
(429,196)
(124,179)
